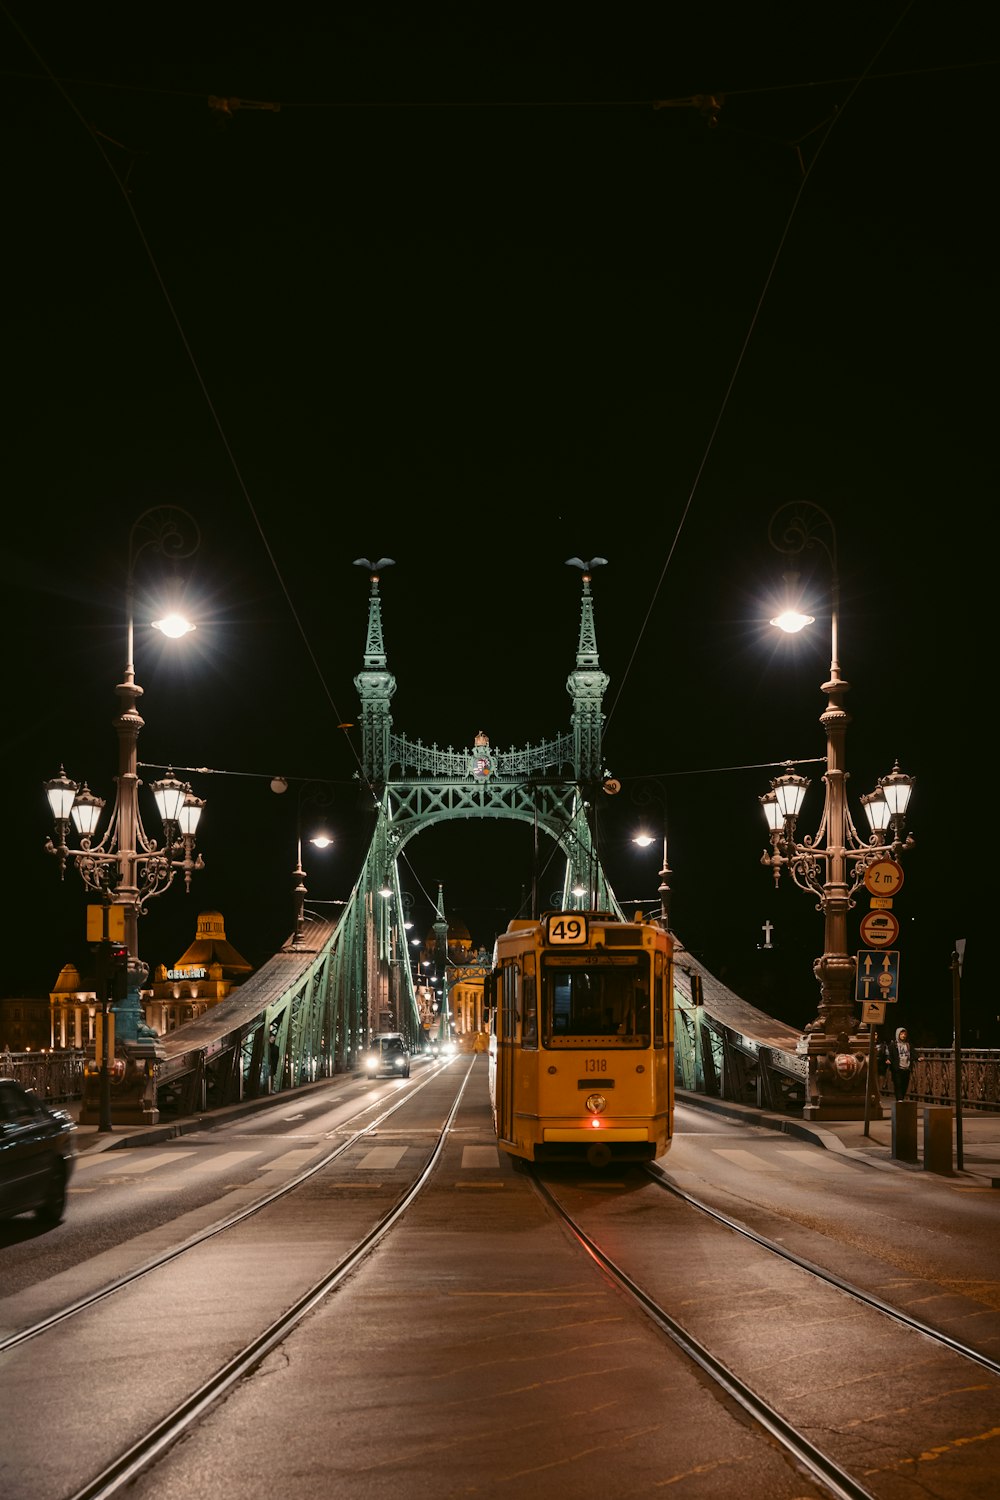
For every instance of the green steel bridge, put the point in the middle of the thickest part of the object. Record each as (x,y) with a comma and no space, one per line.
(309,1011)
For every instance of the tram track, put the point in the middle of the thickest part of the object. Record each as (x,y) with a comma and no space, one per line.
(220,1226)
(857,1293)
(690,1347)
(842,1468)
(147,1293)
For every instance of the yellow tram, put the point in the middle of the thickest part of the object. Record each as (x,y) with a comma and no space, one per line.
(581,1052)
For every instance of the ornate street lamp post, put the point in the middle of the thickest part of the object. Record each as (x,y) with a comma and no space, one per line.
(652,792)
(311,794)
(125,867)
(831,864)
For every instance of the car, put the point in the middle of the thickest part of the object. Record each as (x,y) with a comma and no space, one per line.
(387,1053)
(37,1153)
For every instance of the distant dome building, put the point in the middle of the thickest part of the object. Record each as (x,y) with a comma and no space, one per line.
(459,938)
(72,1004)
(203,975)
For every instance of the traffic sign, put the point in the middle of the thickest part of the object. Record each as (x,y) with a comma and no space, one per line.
(105,922)
(879,928)
(884,877)
(878,976)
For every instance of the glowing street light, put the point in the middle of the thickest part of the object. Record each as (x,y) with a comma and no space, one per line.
(125,867)
(832,863)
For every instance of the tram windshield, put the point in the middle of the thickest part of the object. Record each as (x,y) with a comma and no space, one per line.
(589,998)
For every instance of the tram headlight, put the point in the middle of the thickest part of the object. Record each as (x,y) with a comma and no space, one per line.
(596,1104)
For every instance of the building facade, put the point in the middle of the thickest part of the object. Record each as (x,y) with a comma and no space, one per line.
(208,970)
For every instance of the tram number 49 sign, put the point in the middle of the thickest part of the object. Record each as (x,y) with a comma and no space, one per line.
(879,929)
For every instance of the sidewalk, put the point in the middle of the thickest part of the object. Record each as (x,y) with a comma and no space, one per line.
(980,1138)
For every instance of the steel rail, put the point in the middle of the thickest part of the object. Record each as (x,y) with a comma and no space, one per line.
(830,1278)
(219,1227)
(823,1469)
(128,1465)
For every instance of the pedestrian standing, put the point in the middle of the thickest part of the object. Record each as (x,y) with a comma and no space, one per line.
(900,1062)
(882,1063)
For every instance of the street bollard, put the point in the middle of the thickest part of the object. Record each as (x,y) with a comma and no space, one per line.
(904,1130)
(937,1139)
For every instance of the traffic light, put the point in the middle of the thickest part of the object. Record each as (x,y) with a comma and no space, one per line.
(119,971)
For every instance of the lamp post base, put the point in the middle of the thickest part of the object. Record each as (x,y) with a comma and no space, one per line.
(133,1088)
(837,1086)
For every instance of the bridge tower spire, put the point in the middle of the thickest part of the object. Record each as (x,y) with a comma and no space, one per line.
(441,965)
(586,685)
(375,684)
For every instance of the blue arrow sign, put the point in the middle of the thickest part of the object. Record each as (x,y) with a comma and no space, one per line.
(878,974)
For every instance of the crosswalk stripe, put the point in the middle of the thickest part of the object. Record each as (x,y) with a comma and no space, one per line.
(480,1156)
(228,1159)
(826,1161)
(381,1158)
(146,1163)
(290,1162)
(747,1159)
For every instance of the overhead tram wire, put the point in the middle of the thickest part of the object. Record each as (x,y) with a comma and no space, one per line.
(147,248)
(713,434)
(57,83)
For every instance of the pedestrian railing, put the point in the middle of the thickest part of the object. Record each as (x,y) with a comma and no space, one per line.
(932,1080)
(53,1076)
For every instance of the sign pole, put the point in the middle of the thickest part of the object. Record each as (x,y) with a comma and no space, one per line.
(956,1011)
(871,1078)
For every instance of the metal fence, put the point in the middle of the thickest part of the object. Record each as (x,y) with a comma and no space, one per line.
(56,1076)
(932,1080)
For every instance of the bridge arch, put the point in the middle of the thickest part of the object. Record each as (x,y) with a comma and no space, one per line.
(310,1011)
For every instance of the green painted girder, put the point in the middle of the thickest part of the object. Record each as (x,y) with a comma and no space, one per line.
(416,804)
(556,808)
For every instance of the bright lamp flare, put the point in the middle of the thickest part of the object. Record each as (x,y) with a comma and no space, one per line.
(791,621)
(174,626)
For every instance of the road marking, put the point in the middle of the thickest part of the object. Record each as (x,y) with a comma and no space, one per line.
(381,1158)
(480,1156)
(747,1159)
(227,1159)
(290,1162)
(132,1168)
(808,1155)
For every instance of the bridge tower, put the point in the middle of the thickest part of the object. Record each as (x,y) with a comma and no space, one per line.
(414,785)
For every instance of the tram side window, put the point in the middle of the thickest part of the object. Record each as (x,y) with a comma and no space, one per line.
(508,1001)
(662,1000)
(529,1011)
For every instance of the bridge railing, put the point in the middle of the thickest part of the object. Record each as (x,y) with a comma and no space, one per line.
(416,758)
(53,1076)
(932,1080)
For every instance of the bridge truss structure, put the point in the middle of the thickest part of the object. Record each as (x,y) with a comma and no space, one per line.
(310,1010)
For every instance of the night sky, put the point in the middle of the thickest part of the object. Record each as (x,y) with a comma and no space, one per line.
(486,289)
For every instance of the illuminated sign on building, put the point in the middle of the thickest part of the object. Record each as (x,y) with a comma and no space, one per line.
(187,973)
